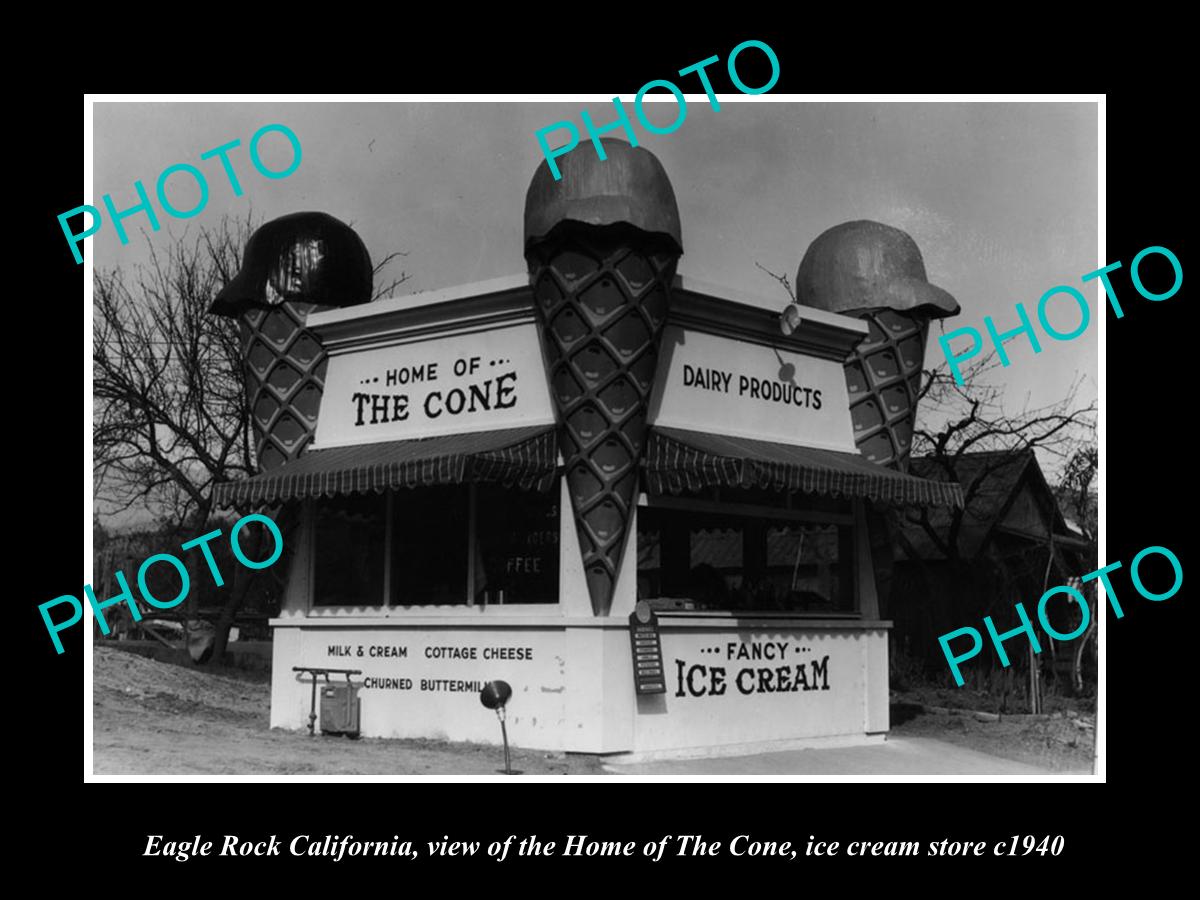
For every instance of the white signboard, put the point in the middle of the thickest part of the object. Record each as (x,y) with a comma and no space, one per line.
(735,388)
(758,686)
(426,682)
(472,382)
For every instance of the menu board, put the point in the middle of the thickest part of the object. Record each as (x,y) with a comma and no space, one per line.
(644,642)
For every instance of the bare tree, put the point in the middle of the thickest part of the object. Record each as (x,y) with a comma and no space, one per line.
(1079,500)
(171,415)
(782,279)
(969,433)
(960,421)
(386,290)
(1077,488)
(954,420)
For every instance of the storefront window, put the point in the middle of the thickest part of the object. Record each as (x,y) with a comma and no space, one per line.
(348,569)
(713,561)
(437,557)
(510,556)
(516,536)
(429,545)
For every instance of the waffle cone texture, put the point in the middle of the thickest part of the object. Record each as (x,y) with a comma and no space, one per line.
(883,380)
(602,295)
(876,273)
(284,369)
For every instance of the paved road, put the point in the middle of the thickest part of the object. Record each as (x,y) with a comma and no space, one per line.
(896,756)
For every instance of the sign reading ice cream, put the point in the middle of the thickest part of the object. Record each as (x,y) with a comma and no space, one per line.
(782,667)
(719,385)
(473,382)
(813,682)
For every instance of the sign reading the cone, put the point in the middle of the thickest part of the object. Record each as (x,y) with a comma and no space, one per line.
(475,382)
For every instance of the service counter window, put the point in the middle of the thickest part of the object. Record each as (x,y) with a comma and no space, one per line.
(776,560)
(429,545)
(451,545)
(516,546)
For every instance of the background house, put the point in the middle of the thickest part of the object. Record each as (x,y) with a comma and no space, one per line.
(1009,543)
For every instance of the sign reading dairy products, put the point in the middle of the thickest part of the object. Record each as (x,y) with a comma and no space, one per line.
(473,382)
(742,389)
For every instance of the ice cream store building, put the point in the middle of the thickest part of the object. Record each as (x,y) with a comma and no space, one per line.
(649,505)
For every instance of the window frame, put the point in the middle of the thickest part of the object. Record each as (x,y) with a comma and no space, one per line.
(789,513)
(467,607)
(314,610)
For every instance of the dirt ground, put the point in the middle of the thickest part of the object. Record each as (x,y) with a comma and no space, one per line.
(154,718)
(158,718)
(1063,740)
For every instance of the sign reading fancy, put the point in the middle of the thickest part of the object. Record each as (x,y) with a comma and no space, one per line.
(457,384)
(783,670)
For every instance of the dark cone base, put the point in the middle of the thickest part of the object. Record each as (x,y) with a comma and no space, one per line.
(883,378)
(603,300)
(285,375)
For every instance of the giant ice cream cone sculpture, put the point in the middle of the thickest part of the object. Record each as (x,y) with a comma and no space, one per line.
(293,266)
(875,272)
(602,244)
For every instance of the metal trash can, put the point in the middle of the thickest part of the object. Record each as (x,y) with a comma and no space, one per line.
(340,709)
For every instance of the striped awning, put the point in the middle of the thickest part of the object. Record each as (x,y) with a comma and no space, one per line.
(525,457)
(678,461)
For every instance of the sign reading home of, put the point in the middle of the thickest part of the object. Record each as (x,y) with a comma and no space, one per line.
(473,382)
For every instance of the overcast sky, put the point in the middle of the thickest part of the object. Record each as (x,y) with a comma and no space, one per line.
(1000,197)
